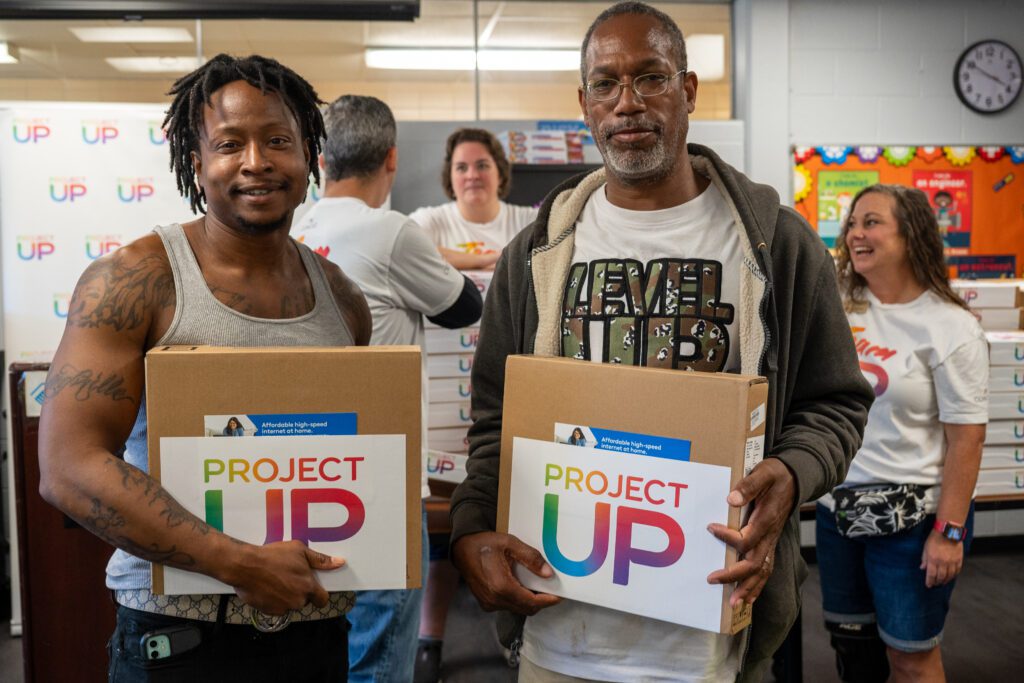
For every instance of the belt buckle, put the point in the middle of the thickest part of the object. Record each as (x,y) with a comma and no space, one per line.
(267,623)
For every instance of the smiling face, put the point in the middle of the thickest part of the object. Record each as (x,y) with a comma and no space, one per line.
(641,139)
(252,162)
(475,177)
(873,237)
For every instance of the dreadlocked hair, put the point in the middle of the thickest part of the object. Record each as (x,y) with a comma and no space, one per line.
(192,92)
(917,225)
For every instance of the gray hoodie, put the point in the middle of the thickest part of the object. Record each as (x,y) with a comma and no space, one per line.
(793,331)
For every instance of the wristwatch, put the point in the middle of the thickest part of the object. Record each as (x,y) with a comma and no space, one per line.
(951,530)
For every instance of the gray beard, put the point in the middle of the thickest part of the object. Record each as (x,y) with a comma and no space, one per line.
(637,166)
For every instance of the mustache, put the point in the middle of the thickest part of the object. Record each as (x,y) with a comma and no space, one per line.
(629,124)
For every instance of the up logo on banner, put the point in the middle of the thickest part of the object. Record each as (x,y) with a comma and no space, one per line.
(34,247)
(131,190)
(30,131)
(156,133)
(99,132)
(67,189)
(61,304)
(101,245)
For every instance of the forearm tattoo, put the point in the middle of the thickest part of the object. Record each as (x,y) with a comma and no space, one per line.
(117,293)
(85,384)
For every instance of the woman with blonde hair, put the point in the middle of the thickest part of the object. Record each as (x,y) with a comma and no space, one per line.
(891,538)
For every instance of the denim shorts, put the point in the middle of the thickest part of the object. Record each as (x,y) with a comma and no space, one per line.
(879,579)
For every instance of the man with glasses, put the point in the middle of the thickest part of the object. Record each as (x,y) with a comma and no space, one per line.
(750,289)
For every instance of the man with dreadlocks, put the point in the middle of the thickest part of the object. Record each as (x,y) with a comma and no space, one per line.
(244,136)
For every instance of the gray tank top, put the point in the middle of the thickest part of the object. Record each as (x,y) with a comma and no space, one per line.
(199,318)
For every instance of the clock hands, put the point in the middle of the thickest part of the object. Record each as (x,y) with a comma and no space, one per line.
(985,73)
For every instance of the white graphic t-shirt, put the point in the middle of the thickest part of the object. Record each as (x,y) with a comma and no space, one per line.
(928,363)
(658,289)
(448,229)
(399,271)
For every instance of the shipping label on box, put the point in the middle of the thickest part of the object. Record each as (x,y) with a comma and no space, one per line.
(620,529)
(1006,406)
(449,365)
(1004,432)
(449,440)
(1005,348)
(1000,457)
(602,539)
(440,340)
(997,294)
(300,396)
(449,390)
(449,415)
(334,493)
(446,467)
(1006,378)
(1005,482)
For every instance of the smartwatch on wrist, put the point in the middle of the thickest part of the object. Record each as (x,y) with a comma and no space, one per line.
(950,530)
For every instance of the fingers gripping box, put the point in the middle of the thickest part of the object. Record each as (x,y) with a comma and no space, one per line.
(330,453)
(614,473)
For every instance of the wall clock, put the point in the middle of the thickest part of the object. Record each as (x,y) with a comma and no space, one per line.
(987,77)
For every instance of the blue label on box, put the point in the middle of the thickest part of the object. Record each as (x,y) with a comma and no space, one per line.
(623,442)
(284,424)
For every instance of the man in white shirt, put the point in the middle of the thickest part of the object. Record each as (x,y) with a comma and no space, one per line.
(403,278)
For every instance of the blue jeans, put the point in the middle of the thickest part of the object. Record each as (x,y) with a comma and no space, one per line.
(879,579)
(307,651)
(385,630)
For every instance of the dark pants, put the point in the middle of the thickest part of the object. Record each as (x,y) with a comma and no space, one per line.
(304,651)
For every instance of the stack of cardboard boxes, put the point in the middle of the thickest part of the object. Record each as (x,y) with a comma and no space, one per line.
(997,303)
(449,364)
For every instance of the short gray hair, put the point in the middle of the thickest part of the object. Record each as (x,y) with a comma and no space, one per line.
(670,27)
(360,132)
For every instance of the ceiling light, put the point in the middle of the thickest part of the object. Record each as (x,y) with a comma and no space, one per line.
(154,65)
(7,53)
(463,60)
(705,53)
(131,34)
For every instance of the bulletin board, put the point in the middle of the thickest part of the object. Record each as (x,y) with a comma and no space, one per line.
(977,194)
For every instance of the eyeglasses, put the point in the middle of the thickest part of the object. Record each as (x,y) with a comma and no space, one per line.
(647,85)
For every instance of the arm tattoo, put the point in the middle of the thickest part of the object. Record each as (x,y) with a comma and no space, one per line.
(134,479)
(84,384)
(119,294)
(107,523)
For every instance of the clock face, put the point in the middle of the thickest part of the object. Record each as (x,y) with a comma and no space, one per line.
(988,76)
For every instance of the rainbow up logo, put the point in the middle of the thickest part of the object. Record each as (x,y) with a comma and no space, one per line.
(67,189)
(34,247)
(134,189)
(30,131)
(101,245)
(61,304)
(99,132)
(156,133)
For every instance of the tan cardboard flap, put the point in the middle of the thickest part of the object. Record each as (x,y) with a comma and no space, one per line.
(380,384)
(717,412)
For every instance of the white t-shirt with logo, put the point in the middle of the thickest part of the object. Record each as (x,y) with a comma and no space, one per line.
(448,229)
(928,363)
(661,289)
(399,270)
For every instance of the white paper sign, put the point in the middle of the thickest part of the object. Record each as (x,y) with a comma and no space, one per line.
(344,495)
(623,531)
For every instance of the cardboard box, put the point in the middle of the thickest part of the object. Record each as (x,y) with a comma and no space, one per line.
(440,340)
(1001,457)
(449,440)
(1004,433)
(990,294)
(289,392)
(449,415)
(1005,348)
(1003,378)
(449,390)
(450,365)
(1005,482)
(1006,406)
(707,430)
(1000,319)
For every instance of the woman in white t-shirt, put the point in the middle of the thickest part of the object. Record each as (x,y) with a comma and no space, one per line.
(471,231)
(891,538)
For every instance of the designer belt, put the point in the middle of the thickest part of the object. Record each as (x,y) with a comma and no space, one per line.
(204,607)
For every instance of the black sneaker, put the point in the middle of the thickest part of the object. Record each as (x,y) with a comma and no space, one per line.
(428,662)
